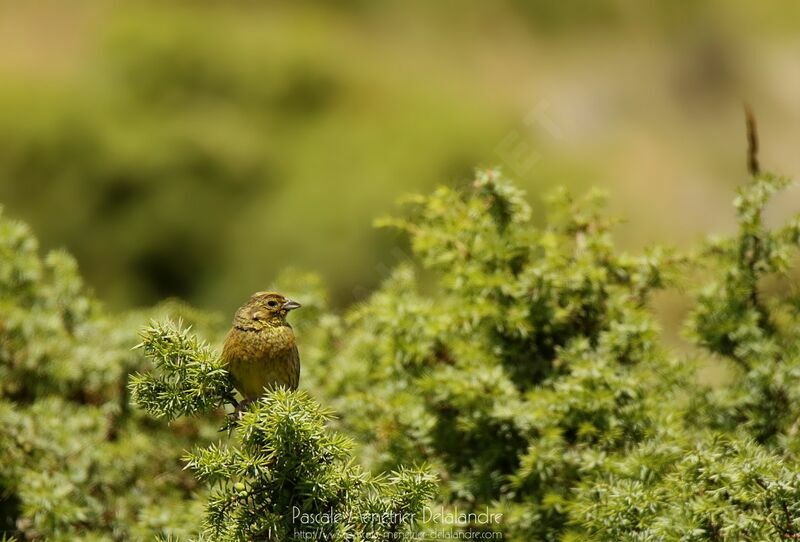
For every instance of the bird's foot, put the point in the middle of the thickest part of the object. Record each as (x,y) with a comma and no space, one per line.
(242,407)
(232,418)
(239,409)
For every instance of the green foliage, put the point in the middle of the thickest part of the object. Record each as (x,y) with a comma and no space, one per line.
(74,461)
(730,470)
(723,488)
(526,364)
(754,327)
(191,378)
(50,327)
(523,367)
(286,477)
(730,319)
(224,105)
(523,364)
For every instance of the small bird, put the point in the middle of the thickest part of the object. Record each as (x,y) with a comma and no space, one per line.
(260,350)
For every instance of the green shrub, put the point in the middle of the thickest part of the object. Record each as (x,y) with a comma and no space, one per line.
(75,461)
(286,477)
(523,364)
(527,365)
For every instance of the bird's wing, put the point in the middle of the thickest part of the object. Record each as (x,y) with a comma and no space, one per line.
(296,366)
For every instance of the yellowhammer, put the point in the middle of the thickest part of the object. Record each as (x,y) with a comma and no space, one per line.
(260,349)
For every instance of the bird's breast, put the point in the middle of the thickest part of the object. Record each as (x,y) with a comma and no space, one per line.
(264,358)
(265,343)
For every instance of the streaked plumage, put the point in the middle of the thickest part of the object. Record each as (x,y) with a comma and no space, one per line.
(260,349)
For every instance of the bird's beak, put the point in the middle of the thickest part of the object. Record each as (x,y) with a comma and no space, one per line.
(291,305)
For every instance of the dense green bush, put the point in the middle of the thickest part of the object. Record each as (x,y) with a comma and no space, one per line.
(286,477)
(75,460)
(524,365)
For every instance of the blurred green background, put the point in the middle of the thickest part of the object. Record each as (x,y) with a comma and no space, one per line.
(195,149)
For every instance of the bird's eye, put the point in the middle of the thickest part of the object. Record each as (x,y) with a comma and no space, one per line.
(272,303)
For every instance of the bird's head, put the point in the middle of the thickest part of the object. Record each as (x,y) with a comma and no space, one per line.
(264,309)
